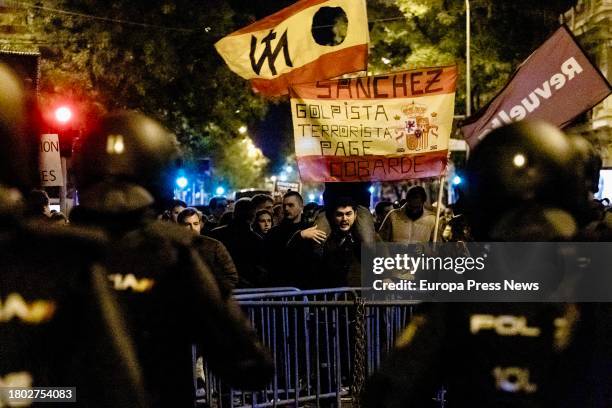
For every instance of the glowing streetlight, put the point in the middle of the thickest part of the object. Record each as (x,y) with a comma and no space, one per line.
(182,181)
(242,130)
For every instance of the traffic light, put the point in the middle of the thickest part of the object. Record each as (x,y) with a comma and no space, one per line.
(62,119)
(63,114)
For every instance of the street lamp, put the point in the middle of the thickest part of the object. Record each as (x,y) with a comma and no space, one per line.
(182,181)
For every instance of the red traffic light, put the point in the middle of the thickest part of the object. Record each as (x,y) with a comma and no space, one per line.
(63,114)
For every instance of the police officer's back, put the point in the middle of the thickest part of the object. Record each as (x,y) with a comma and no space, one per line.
(521,187)
(169,294)
(59,321)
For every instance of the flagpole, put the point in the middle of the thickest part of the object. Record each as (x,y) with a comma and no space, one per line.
(438,207)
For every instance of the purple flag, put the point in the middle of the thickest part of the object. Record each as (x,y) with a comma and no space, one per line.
(556,84)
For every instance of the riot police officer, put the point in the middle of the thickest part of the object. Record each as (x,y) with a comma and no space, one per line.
(522,186)
(123,167)
(59,322)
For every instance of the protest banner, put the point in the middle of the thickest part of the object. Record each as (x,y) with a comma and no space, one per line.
(556,84)
(388,127)
(280,49)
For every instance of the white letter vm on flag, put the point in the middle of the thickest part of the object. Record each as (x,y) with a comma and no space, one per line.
(280,50)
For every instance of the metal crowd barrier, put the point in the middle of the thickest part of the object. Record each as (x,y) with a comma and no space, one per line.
(324,343)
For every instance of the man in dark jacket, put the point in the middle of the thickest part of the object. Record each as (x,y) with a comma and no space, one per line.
(288,267)
(243,244)
(340,255)
(212,251)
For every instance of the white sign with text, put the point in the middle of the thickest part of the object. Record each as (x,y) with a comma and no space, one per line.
(50,161)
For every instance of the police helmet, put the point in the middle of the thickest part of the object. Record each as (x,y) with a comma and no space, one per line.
(522,165)
(125,163)
(588,162)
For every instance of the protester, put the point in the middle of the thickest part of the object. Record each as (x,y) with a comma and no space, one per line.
(284,264)
(359,192)
(212,251)
(192,219)
(380,211)
(310,212)
(243,244)
(262,202)
(277,214)
(262,223)
(175,208)
(337,261)
(410,223)
(217,206)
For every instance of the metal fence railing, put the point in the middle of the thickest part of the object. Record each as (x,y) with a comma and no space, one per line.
(324,343)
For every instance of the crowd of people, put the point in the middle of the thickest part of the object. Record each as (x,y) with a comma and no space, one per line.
(313,246)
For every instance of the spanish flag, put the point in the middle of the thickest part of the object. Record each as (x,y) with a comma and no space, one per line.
(280,50)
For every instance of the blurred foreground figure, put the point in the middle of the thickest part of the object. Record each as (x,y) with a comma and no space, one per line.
(523,185)
(526,183)
(171,298)
(59,321)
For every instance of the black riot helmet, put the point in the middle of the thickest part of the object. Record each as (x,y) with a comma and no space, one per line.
(517,168)
(588,162)
(18,143)
(126,163)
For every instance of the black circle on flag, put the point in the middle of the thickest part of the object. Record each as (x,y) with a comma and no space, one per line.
(329,26)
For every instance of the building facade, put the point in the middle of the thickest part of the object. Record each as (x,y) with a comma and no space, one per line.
(591,23)
(18,45)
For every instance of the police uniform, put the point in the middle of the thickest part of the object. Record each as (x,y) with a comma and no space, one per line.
(522,186)
(169,295)
(59,321)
